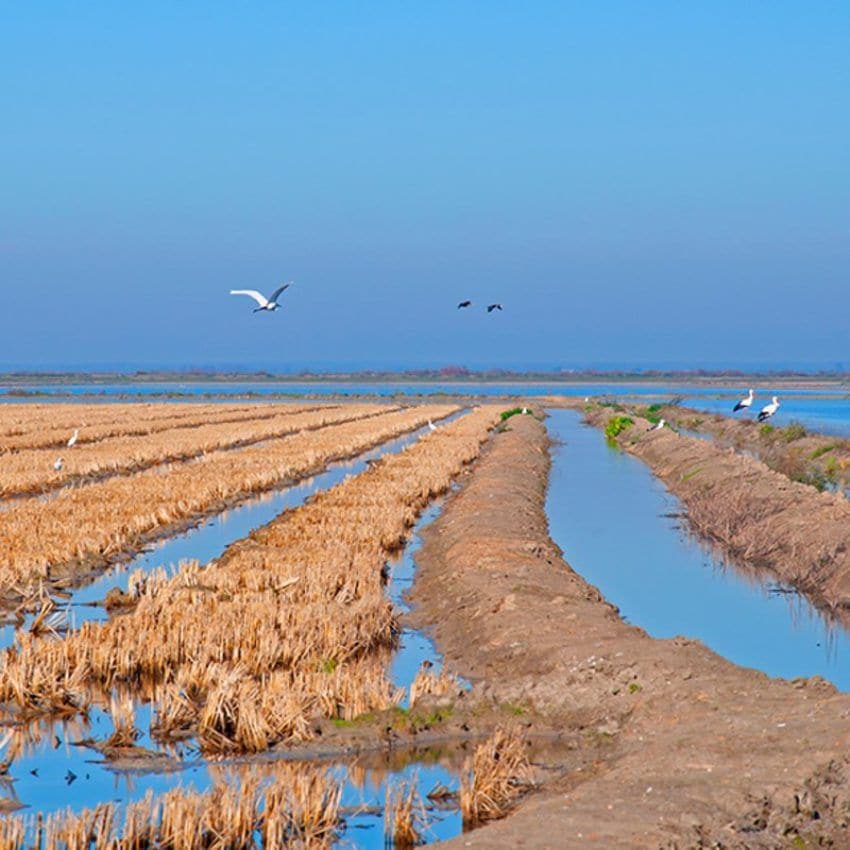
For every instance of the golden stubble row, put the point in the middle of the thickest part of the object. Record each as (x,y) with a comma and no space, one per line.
(290,625)
(32,471)
(55,431)
(299,807)
(89,525)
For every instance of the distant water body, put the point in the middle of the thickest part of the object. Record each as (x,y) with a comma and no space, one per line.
(819,409)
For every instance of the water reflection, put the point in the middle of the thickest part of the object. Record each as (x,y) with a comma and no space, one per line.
(620,528)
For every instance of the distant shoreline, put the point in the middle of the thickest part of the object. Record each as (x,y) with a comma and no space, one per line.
(450,377)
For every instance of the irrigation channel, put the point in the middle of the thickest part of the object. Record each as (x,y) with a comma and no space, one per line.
(53,772)
(624,532)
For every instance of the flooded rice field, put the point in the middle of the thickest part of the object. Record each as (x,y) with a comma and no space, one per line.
(56,767)
(623,532)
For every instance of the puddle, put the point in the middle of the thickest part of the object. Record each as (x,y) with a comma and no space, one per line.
(49,772)
(621,529)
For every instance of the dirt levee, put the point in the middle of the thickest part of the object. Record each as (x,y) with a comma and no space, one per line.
(697,750)
(755,513)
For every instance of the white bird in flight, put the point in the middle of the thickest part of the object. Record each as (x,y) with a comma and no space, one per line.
(769,409)
(57,465)
(73,441)
(269,304)
(744,403)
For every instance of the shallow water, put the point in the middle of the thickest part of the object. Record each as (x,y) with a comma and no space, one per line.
(72,776)
(622,531)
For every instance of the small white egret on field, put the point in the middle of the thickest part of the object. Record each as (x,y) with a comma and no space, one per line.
(659,426)
(431,426)
(769,409)
(73,441)
(57,464)
(268,304)
(525,411)
(744,403)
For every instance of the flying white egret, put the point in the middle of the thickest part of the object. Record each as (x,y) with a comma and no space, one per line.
(769,409)
(269,304)
(73,441)
(744,403)
(659,426)
(57,464)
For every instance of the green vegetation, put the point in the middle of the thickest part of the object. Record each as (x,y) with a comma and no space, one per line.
(329,665)
(634,687)
(654,408)
(506,414)
(616,425)
(822,450)
(689,475)
(794,431)
(766,430)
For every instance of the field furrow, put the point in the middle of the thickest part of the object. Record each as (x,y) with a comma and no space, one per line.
(83,528)
(288,625)
(32,471)
(44,434)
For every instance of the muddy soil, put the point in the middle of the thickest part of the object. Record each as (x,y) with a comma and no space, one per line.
(758,516)
(693,751)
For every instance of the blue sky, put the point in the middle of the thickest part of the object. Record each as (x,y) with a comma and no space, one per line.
(654,183)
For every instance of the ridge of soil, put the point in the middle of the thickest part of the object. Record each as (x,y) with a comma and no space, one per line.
(757,515)
(698,752)
(805,456)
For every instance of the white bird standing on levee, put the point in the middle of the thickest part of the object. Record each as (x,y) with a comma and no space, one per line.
(73,441)
(744,403)
(769,409)
(57,464)
(431,426)
(268,304)
(659,426)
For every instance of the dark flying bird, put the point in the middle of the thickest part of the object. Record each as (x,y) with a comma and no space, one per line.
(269,304)
(769,409)
(744,403)
(492,307)
(464,304)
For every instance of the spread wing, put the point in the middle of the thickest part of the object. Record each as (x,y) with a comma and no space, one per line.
(276,293)
(252,293)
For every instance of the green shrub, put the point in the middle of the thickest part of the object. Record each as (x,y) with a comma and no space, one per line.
(766,430)
(506,414)
(794,431)
(821,451)
(616,425)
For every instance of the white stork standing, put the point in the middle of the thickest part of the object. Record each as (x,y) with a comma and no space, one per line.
(744,403)
(769,409)
(268,304)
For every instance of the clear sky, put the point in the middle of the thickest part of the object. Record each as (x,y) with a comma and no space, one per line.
(637,183)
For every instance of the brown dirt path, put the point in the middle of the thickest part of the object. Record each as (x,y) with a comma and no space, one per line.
(701,753)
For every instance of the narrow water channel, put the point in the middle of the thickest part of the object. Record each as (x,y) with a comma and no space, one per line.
(625,533)
(52,772)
